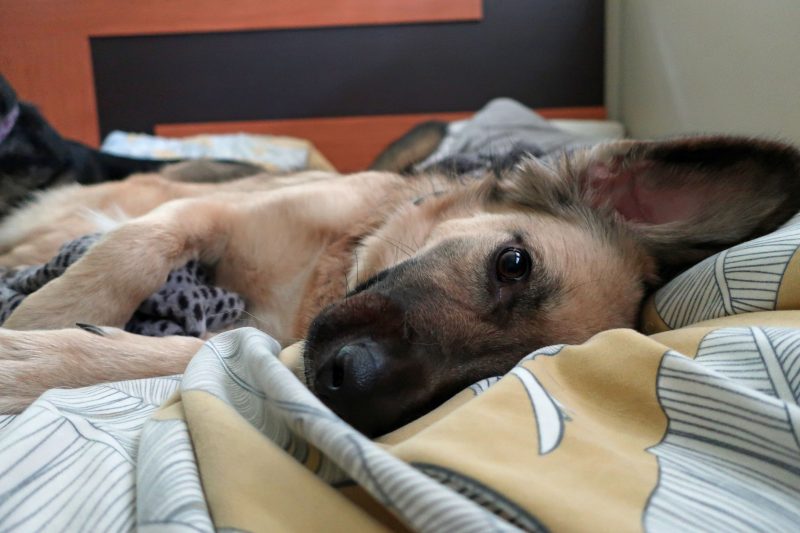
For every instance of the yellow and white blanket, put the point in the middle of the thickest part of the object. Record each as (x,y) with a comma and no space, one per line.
(696,427)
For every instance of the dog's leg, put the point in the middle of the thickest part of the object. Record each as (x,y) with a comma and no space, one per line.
(254,233)
(32,362)
(129,264)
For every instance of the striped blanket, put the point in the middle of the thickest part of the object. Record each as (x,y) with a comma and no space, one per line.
(692,426)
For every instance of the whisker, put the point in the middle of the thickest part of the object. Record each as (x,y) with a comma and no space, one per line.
(403,247)
(358,276)
(244,311)
(400,246)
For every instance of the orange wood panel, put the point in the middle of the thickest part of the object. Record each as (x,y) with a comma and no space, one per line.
(350,143)
(140,17)
(44,44)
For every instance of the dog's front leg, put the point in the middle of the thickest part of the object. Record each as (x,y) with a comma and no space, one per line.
(126,266)
(32,362)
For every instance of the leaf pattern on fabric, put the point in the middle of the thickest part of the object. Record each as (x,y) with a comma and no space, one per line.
(730,458)
(741,279)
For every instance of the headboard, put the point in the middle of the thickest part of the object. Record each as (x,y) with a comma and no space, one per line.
(350,75)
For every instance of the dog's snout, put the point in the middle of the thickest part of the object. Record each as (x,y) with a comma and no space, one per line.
(357,383)
(362,363)
(353,369)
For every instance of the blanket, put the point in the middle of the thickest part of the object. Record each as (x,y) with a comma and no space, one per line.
(505,131)
(694,427)
(274,153)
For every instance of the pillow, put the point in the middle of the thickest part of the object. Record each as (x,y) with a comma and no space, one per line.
(758,275)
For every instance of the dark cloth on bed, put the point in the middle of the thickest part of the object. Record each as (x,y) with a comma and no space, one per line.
(187,304)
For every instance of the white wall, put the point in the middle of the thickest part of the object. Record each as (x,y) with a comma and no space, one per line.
(697,66)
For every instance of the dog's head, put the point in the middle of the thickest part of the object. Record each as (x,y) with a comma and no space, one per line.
(461,286)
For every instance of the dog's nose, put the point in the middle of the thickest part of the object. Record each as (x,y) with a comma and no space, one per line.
(361,382)
(354,368)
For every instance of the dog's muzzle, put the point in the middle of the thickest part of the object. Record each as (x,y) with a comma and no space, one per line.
(360,363)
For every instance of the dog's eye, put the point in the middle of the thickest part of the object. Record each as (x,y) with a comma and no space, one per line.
(513,264)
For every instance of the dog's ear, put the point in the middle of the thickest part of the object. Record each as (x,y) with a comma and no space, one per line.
(689,198)
(684,199)
(413,147)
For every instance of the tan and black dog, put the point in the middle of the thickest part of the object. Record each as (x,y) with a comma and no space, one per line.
(407,289)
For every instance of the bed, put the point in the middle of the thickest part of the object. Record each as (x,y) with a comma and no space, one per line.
(691,424)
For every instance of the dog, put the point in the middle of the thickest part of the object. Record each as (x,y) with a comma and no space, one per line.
(406,289)
(34,157)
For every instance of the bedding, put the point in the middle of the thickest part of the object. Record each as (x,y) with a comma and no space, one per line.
(692,425)
(505,130)
(274,153)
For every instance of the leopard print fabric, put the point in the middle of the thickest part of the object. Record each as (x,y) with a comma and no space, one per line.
(187,304)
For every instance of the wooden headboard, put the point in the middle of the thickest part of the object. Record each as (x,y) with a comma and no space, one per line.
(350,75)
